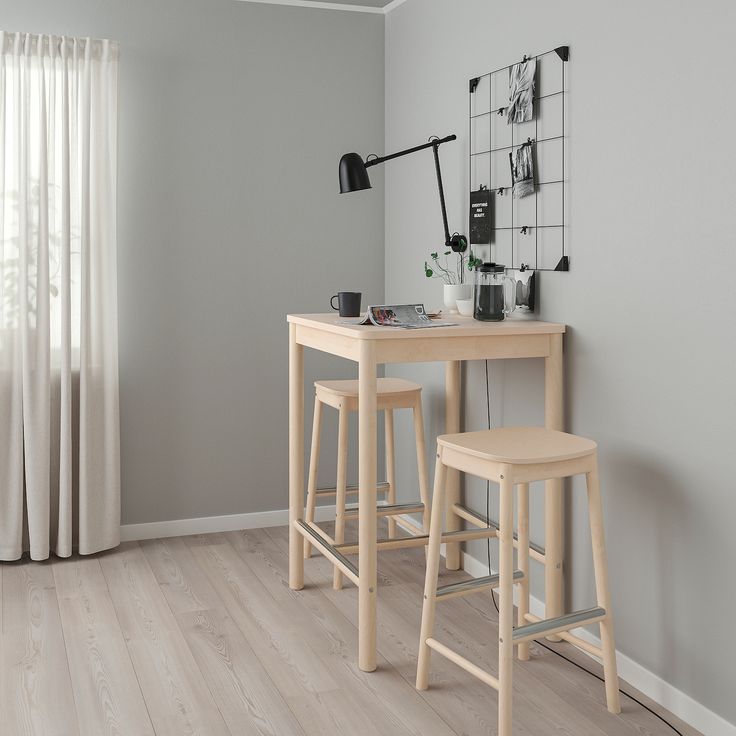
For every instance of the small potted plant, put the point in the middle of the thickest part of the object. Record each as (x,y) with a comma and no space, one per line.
(453,277)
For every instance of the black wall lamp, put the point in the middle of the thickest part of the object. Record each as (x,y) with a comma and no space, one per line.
(354,177)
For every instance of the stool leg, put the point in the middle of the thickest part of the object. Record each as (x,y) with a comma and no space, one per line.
(313,464)
(388,416)
(603,594)
(421,461)
(341,486)
(433,569)
(506,605)
(523,563)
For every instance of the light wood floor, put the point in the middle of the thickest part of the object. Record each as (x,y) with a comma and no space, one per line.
(201,635)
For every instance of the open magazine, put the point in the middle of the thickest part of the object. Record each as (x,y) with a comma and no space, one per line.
(408,316)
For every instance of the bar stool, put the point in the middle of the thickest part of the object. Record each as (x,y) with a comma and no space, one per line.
(392,393)
(517,456)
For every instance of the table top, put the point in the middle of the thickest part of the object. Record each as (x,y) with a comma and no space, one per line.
(465,327)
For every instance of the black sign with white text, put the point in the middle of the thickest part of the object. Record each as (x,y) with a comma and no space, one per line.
(480,217)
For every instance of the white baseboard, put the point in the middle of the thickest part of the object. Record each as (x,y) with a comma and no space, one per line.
(211,524)
(653,686)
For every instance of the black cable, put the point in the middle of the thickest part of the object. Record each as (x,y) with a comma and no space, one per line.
(537,641)
(488,483)
(598,677)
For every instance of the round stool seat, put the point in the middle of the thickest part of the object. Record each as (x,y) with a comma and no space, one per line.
(391,393)
(519,445)
(385,386)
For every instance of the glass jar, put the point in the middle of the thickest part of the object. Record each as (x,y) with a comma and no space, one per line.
(494,293)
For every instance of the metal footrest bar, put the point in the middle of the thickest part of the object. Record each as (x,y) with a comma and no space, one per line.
(351,490)
(561,623)
(420,540)
(322,533)
(468,535)
(394,509)
(328,550)
(351,548)
(576,641)
(464,512)
(474,585)
(466,664)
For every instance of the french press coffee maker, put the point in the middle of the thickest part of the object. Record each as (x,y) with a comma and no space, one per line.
(494,293)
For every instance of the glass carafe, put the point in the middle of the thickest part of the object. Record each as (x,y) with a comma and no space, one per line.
(494,293)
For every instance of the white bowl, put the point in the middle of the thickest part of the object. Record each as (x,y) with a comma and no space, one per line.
(465,307)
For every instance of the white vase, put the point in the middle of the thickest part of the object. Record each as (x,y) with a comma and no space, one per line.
(453,292)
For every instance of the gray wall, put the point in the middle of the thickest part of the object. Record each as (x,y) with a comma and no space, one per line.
(233,117)
(650,299)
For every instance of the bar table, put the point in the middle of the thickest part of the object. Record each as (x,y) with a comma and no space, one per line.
(370,346)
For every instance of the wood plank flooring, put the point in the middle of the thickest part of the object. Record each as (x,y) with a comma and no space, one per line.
(202,635)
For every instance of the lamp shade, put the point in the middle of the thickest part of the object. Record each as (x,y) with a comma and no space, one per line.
(353,174)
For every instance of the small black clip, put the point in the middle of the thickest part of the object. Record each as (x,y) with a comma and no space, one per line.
(529,142)
(524,230)
(500,111)
(501,190)
(525,59)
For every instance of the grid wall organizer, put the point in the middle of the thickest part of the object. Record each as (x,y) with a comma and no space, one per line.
(531,230)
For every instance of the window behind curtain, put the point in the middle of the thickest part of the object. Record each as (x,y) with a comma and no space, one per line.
(19,278)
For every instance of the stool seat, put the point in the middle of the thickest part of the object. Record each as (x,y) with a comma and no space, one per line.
(519,445)
(391,393)
(385,386)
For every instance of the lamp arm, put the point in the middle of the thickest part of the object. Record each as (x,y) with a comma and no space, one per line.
(435,150)
(461,243)
(381,159)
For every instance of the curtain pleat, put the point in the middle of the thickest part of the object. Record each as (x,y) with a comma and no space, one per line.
(59,416)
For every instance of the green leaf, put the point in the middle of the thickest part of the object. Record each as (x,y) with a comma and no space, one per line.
(428,272)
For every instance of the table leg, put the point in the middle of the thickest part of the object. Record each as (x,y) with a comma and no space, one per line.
(553,517)
(452,425)
(367,524)
(296,459)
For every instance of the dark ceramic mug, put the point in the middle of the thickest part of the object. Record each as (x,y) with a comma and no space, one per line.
(349,303)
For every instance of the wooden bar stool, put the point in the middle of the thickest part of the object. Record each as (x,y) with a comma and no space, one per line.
(517,456)
(392,393)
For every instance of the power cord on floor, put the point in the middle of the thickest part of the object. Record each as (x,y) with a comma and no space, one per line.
(537,641)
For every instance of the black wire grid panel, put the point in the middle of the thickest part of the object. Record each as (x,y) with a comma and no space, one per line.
(530,230)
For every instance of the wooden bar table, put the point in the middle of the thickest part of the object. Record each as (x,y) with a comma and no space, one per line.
(370,346)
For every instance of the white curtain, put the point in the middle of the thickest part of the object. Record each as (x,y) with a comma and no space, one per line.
(59,427)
